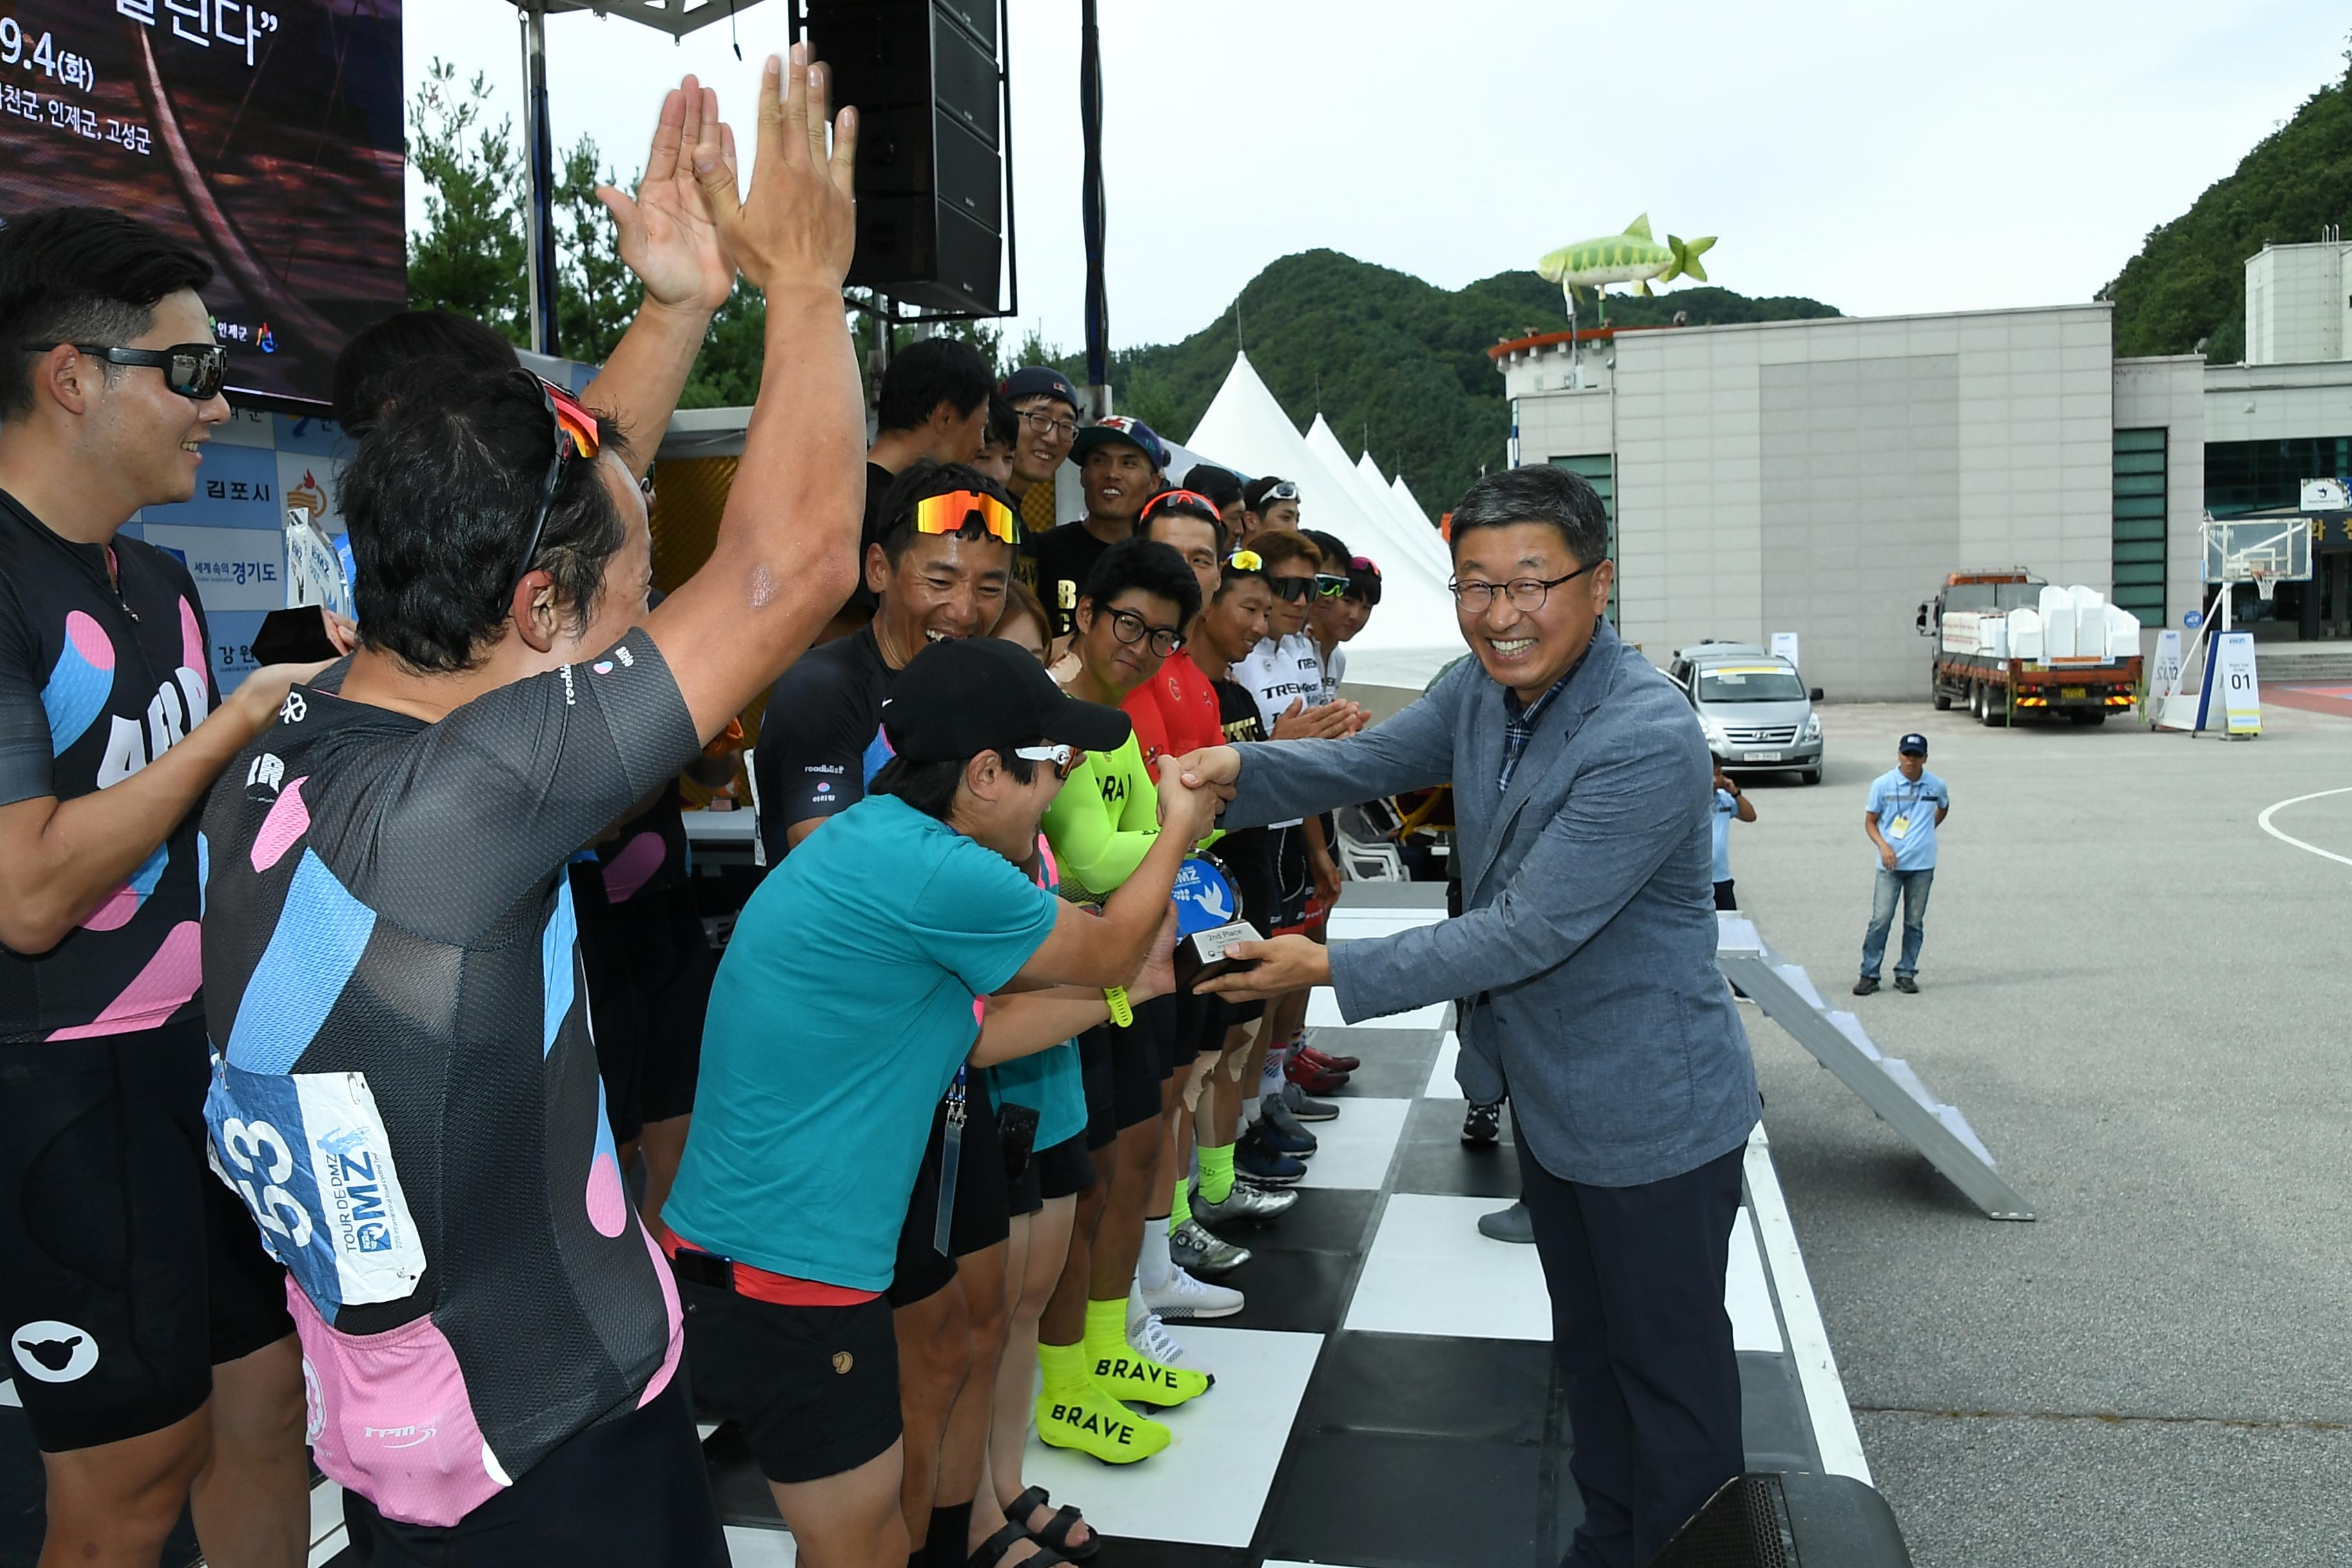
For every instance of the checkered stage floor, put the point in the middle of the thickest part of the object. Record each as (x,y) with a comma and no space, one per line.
(1386,1400)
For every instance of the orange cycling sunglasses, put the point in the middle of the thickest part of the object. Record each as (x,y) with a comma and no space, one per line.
(957,509)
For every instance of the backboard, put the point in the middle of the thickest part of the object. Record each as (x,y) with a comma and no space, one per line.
(2257,550)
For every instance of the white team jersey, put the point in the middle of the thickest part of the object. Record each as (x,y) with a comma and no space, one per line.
(1335,670)
(1277,673)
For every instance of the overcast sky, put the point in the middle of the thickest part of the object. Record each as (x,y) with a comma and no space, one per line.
(1883,158)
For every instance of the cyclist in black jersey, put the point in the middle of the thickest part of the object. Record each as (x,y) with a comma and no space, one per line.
(146,1330)
(406,1092)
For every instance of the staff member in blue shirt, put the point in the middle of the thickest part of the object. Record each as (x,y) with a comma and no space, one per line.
(1908,805)
(1731,805)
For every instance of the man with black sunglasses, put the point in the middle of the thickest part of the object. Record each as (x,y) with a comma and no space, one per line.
(146,1330)
(396,994)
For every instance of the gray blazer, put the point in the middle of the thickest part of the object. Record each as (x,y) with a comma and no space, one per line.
(1588,931)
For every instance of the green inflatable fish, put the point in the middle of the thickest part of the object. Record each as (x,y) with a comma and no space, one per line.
(1632,257)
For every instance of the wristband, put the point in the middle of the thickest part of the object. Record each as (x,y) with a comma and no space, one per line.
(1121,1013)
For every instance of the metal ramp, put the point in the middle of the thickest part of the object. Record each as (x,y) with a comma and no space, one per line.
(1887,1084)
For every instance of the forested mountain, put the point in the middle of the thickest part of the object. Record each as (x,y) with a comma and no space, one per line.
(2188,284)
(1394,362)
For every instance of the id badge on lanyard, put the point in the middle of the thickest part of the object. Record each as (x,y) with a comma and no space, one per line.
(950,1156)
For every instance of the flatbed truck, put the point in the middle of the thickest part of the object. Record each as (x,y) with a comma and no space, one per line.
(1998,665)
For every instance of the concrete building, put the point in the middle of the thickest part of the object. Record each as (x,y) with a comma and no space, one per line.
(2283,416)
(1822,476)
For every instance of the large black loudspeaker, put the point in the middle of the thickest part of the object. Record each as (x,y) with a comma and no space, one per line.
(1789,1519)
(923,77)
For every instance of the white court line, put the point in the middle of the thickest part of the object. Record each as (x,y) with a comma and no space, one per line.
(1809,1342)
(2263,822)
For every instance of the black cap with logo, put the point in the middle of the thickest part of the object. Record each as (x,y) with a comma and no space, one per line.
(1912,745)
(960,697)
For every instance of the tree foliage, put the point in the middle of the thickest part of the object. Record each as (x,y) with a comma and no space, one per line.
(2188,284)
(1395,364)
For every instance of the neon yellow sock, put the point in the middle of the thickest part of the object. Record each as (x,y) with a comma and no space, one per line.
(1065,1367)
(1216,1173)
(1106,1326)
(1182,1209)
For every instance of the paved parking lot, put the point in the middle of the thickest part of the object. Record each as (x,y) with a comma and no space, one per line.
(2138,997)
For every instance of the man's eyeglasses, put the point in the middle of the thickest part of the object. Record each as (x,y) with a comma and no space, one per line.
(1245,561)
(576,434)
(1045,424)
(1064,758)
(1286,490)
(1525,593)
(952,512)
(1132,629)
(1329,584)
(195,371)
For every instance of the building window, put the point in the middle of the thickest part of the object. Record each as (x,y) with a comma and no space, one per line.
(2264,476)
(2139,517)
(1600,470)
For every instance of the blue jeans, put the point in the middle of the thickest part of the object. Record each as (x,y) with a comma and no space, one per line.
(1912,887)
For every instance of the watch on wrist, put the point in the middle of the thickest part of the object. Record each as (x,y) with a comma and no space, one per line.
(1121,1013)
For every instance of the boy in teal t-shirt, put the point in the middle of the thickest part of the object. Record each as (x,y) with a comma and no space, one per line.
(862,976)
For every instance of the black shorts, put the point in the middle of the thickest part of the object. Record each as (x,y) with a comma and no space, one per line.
(630,1489)
(1140,1062)
(1293,885)
(128,1270)
(1197,1029)
(983,1202)
(649,966)
(814,1389)
(1726,896)
(1094,1062)
(1064,1171)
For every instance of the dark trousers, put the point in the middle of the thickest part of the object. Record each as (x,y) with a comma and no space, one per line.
(1644,1348)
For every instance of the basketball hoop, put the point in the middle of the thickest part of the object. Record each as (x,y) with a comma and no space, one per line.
(2266,582)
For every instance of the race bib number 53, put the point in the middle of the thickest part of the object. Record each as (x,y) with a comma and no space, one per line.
(308,1154)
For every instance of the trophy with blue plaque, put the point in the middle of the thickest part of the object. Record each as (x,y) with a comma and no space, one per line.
(1208,921)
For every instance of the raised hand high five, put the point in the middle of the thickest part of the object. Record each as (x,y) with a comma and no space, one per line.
(797,226)
(666,234)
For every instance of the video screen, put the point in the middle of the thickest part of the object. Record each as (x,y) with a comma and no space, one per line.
(265,135)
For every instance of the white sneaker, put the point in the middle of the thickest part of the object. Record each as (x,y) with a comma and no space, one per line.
(1187,1299)
(1148,1336)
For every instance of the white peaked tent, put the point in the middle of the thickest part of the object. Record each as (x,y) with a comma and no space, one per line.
(1413,506)
(1371,500)
(1416,526)
(1413,635)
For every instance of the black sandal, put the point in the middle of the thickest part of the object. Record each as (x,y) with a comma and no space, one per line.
(1056,1536)
(992,1550)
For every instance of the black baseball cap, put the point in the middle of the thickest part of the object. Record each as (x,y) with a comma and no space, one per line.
(1031,380)
(1220,485)
(968,695)
(1122,427)
(1912,745)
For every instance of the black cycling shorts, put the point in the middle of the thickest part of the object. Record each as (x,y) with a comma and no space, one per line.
(1094,1062)
(983,1202)
(128,1270)
(1140,1061)
(1064,1171)
(632,1489)
(1195,1015)
(814,1389)
(649,966)
(1294,884)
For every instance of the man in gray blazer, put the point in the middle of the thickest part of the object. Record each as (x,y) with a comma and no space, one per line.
(1581,794)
